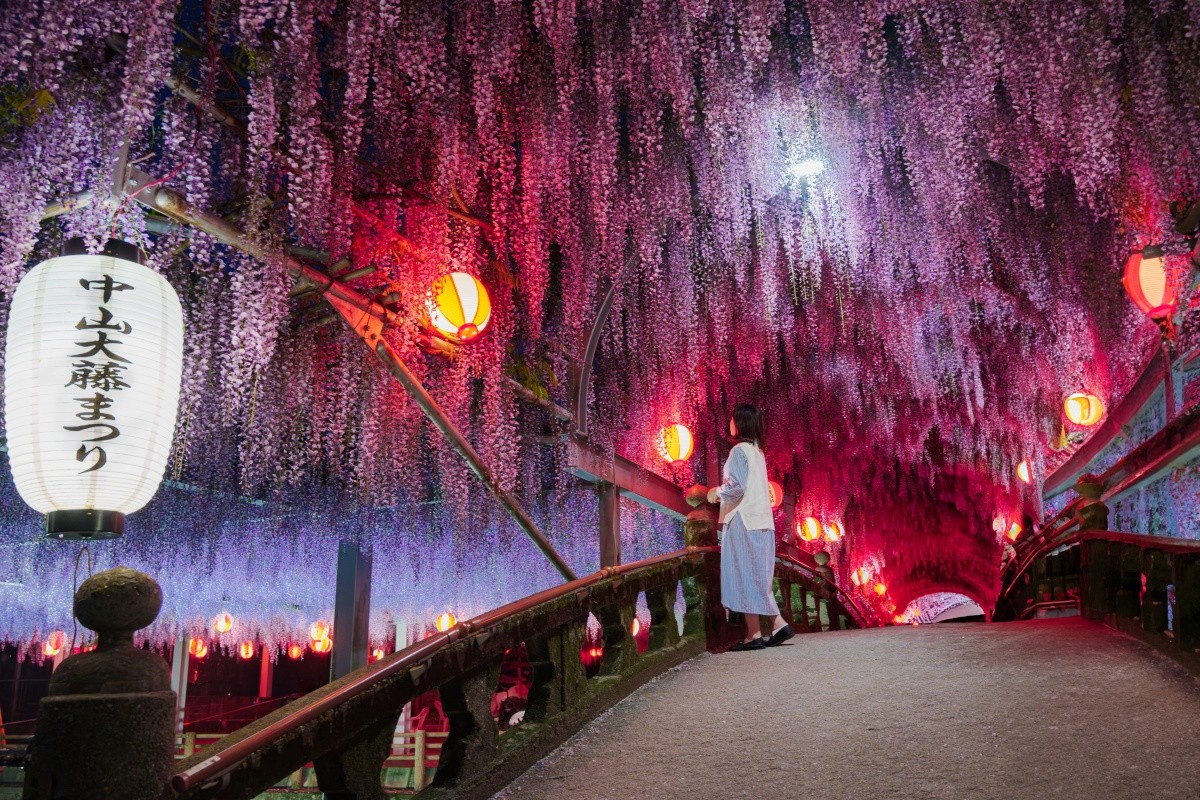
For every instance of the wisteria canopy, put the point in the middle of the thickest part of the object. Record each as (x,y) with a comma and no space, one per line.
(909,319)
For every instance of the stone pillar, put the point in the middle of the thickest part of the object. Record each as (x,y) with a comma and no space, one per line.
(105,728)
(1093,515)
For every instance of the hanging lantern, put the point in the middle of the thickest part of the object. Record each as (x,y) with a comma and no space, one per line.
(1014,531)
(675,443)
(322,645)
(295,651)
(1023,473)
(318,630)
(460,308)
(833,532)
(198,647)
(445,621)
(92,372)
(881,589)
(246,650)
(54,643)
(377,654)
(635,627)
(809,529)
(776,494)
(1083,409)
(223,622)
(860,576)
(1148,284)
(999,523)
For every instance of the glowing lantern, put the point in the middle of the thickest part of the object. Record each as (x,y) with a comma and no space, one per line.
(1083,409)
(881,589)
(833,532)
(460,308)
(322,646)
(377,653)
(197,647)
(54,643)
(898,619)
(93,361)
(809,529)
(675,443)
(318,630)
(223,622)
(246,650)
(999,523)
(860,576)
(445,621)
(1023,473)
(776,494)
(295,651)
(1147,283)
(1014,531)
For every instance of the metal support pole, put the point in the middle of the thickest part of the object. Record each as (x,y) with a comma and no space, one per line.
(417,392)
(351,610)
(610,524)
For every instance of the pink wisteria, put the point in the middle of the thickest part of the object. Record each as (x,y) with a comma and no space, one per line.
(910,319)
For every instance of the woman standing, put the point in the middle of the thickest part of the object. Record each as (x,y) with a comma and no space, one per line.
(748,541)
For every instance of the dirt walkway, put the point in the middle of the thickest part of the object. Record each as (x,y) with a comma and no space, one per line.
(1053,709)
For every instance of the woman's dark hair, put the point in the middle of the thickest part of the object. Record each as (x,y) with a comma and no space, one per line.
(748,421)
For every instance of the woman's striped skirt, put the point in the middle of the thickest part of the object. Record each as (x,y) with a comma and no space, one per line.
(748,569)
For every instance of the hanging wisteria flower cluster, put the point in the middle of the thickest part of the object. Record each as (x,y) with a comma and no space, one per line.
(909,314)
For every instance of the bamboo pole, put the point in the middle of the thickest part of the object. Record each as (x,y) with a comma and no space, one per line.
(417,392)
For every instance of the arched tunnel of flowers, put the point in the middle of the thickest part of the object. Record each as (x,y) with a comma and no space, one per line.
(897,226)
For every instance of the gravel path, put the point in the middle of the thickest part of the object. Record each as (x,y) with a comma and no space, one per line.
(1050,709)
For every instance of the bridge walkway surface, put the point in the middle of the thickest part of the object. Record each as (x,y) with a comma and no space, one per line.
(1044,709)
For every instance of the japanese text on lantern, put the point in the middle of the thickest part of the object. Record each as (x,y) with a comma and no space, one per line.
(98,370)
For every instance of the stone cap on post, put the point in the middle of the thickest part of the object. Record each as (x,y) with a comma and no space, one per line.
(114,603)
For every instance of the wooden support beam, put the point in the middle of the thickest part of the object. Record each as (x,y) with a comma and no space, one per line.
(586,461)
(610,525)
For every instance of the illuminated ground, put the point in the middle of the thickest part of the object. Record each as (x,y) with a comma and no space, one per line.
(1061,708)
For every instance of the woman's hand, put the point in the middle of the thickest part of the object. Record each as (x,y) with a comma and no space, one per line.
(713,497)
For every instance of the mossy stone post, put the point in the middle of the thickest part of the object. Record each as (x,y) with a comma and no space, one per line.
(1096,583)
(700,530)
(105,730)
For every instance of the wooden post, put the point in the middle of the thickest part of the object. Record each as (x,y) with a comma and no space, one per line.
(351,610)
(610,525)
(266,674)
(418,773)
(180,660)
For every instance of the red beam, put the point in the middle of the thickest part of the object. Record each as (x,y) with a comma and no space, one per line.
(586,461)
(1143,390)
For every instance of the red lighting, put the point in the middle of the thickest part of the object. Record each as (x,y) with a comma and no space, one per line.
(295,651)
(776,494)
(246,650)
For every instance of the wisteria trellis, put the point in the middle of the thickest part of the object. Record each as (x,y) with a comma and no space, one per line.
(910,319)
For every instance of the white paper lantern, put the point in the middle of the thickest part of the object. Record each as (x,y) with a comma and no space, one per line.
(93,362)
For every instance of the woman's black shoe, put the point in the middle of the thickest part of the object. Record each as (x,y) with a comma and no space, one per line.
(780,636)
(754,644)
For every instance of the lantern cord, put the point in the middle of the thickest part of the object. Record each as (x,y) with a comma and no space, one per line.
(74,588)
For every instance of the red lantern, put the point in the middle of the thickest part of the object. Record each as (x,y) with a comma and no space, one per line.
(54,643)
(1148,284)
(675,443)
(776,494)
(808,529)
(223,622)
(445,621)
(295,651)
(246,650)
(318,630)
(198,647)
(377,654)
(322,646)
